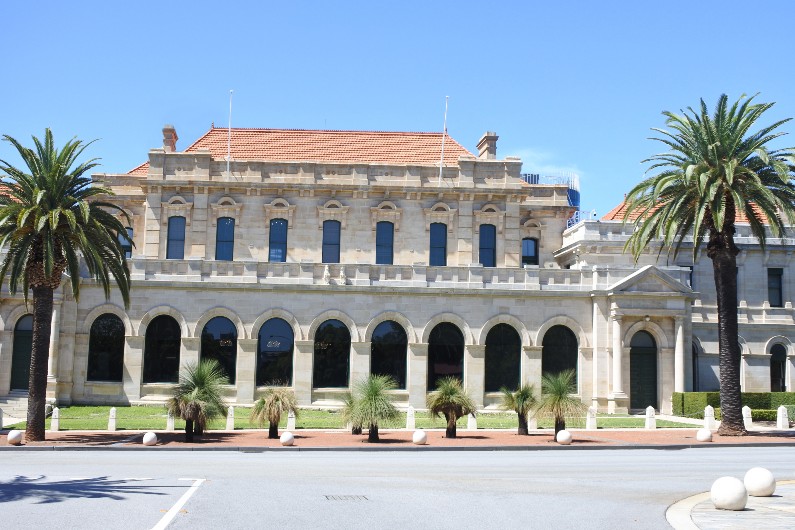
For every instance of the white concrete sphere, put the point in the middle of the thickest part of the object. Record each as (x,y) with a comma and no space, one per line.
(419,437)
(728,493)
(14,437)
(287,438)
(759,482)
(704,435)
(150,439)
(563,437)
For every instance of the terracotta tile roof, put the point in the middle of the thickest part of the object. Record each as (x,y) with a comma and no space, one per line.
(618,213)
(419,148)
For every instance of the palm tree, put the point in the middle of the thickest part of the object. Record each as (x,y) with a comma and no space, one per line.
(51,218)
(450,400)
(197,397)
(371,404)
(270,407)
(557,401)
(521,401)
(715,171)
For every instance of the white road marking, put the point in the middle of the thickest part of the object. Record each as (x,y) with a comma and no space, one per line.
(169,516)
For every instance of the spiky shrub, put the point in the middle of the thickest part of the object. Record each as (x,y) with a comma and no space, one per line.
(521,401)
(270,407)
(372,404)
(197,397)
(451,401)
(556,400)
(348,414)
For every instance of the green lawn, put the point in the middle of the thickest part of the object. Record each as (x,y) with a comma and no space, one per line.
(154,418)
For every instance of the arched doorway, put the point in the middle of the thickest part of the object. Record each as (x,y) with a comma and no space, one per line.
(161,350)
(219,342)
(559,351)
(445,354)
(388,351)
(778,368)
(20,358)
(332,358)
(275,353)
(502,358)
(642,371)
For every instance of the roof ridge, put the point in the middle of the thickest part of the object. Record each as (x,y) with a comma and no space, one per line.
(347,131)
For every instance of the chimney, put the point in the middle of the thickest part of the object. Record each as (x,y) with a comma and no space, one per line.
(487,146)
(169,138)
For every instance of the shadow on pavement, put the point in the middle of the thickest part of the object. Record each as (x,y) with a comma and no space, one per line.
(35,488)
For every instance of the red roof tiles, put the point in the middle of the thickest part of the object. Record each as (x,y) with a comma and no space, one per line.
(618,213)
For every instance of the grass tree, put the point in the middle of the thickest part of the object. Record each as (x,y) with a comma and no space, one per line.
(372,404)
(521,401)
(451,401)
(715,170)
(197,397)
(270,407)
(51,218)
(557,401)
(348,413)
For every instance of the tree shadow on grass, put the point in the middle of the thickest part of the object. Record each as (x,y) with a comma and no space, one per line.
(44,492)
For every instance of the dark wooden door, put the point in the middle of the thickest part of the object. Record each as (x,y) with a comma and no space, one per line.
(642,378)
(20,360)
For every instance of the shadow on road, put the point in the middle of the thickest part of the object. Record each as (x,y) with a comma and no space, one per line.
(35,488)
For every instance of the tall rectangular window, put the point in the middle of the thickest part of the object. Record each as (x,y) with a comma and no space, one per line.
(529,251)
(438,254)
(331,241)
(384,242)
(488,245)
(175,246)
(774,287)
(277,241)
(125,239)
(225,239)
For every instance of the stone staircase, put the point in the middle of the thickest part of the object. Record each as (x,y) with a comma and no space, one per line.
(14,405)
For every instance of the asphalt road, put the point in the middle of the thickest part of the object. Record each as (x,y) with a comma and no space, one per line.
(462,489)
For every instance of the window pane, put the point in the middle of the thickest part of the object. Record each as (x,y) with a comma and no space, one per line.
(219,342)
(225,239)
(774,294)
(445,354)
(438,256)
(161,350)
(175,247)
(275,353)
(384,240)
(106,349)
(559,351)
(488,245)
(126,242)
(332,355)
(388,351)
(503,355)
(529,251)
(331,241)
(277,241)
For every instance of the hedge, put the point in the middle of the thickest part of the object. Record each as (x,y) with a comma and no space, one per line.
(692,404)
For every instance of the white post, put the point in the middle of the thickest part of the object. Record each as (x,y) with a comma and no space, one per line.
(590,419)
(651,420)
(472,423)
(747,418)
(709,418)
(170,422)
(55,420)
(230,419)
(410,421)
(291,421)
(112,419)
(782,421)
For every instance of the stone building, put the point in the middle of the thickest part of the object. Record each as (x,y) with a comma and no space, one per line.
(313,258)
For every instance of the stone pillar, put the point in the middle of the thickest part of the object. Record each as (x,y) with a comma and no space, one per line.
(6,347)
(246,370)
(679,355)
(417,379)
(52,360)
(302,371)
(132,375)
(617,402)
(533,359)
(474,372)
(190,352)
(360,361)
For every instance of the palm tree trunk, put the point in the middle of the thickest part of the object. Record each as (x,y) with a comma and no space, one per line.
(356,429)
(560,424)
(40,352)
(522,424)
(450,432)
(273,429)
(372,434)
(198,430)
(189,431)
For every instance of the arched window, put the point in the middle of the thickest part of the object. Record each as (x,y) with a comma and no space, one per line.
(277,241)
(161,350)
(106,349)
(488,245)
(438,255)
(503,358)
(175,246)
(445,353)
(275,353)
(559,351)
(331,241)
(20,358)
(125,239)
(529,251)
(384,242)
(225,239)
(219,342)
(778,368)
(388,351)
(332,355)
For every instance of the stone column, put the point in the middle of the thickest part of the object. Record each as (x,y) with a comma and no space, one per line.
(679,355)
(417,379)
(6,347)
(246,368)
(52,361)
(474,372)
(533,359)
(190,352)
(302,371)
(618,347)
(360,361)
(132,375)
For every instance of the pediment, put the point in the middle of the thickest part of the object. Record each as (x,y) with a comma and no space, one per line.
(651,280)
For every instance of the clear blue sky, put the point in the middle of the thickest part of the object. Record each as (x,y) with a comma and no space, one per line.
(568,86)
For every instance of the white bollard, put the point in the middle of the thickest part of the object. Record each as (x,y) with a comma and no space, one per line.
(651,420)
(112,419)
(563,437)
(170,422)
(230,419)
(472,423)
(728,493)
(748,419)
(709,418)
(759,482)
(419,437)
(55,419)
(14,437)
(149,439)
(704,435)
(590,419)
(287,438)
(410,419)
(291,421)
(782,421)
